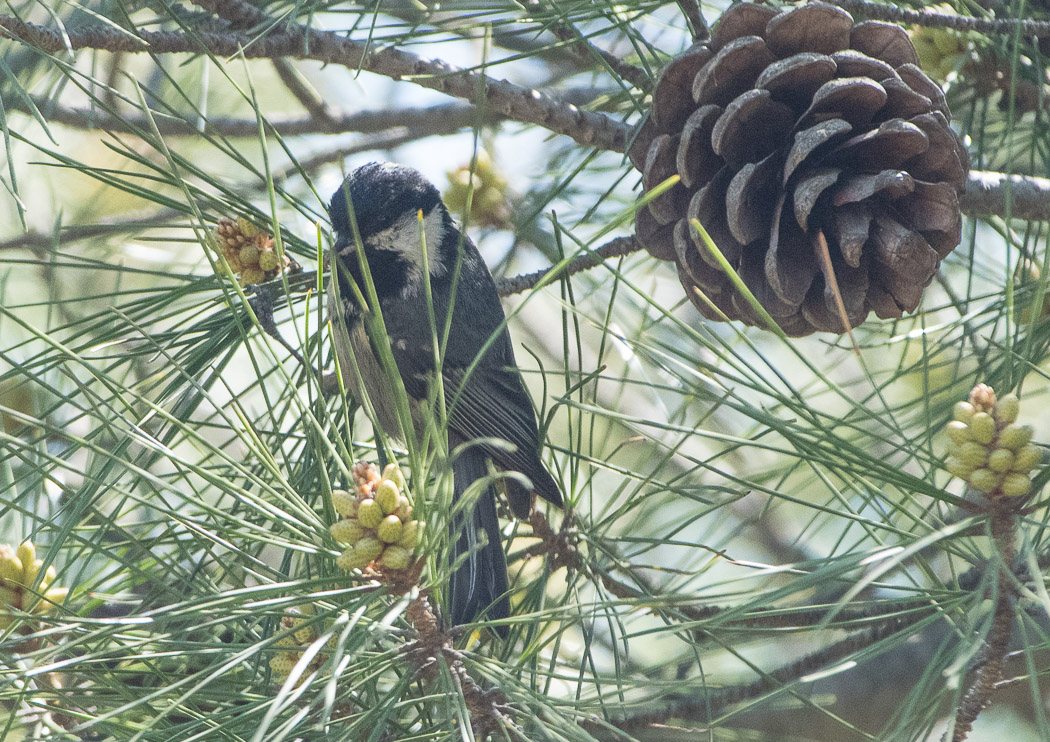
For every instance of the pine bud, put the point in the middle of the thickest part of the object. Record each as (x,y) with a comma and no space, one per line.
(1001,460)
(1007,409)
(1015,437)
(282,665)
(985,480)
(396,557)
(10,567)
(387,495)
(404,509)
(957,468)
(389,529)
(410,533)
(963,412)
(30,570)
(369,513)
(249,256)
(982,428)
(958,432)
(268,261)
(1027,459)
(1016,484)
(347,531)
(393,472)
(304,634)
(369,547)
(972,454)
(344,503)
(252,276)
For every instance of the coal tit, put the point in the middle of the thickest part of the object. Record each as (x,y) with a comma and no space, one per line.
(489,402)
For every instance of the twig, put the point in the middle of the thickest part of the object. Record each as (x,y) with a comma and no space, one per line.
(440,119)
(982,681)
(306,96)
(583,49)
(717,700)
(501,97)
(931,19)
(691,10)
(613,249)
(988,193)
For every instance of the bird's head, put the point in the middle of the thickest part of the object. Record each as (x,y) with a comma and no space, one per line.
(386,200)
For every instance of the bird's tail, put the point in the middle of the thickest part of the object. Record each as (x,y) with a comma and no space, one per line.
(479,584)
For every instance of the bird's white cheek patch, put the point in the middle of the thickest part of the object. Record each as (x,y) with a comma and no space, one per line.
(403,238)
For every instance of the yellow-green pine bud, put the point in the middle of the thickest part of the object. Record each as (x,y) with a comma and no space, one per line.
(1016,484)
(268,260)
(10,566)
(1001,460)
(963,412)
(344,503)
(10,598)
(49,576)
(282,664)
(972,454)
(347,530)
(958,432)
(248,229)
(252,276)
(1007,409)
(287,641)
(32,569)
(393,472)
(349,560)
(387,495)
(396,557)
(410,533)
(985,480)
(250,256)
(1015,437)
(56,596)
(304,634)
(389,529)
(26,554)
(1027,459)
(404,509)
(369,513)
(369,548)
(957,468)
(982,428)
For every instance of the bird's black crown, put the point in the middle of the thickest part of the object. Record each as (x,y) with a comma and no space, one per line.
(381,193)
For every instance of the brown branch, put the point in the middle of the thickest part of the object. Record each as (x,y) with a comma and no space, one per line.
(583,49)
(501,98)
(719,699)
(613,249)
(931,19)
(446,118)
(988,193)
(691,10)
(307,96)
(982,681)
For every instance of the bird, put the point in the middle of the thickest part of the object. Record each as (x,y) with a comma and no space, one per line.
(482,387)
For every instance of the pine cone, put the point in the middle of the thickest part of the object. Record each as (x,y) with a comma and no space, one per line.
(788,126)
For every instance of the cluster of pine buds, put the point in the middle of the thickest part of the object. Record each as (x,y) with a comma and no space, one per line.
(377,523)
(19,570)
(249,251)
(488,204)
(988,449)
(300,634)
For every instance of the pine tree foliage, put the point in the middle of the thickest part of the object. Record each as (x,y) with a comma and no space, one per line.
(761,539)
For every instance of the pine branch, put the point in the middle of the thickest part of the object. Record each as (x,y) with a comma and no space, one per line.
(500,97)
(932,19)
